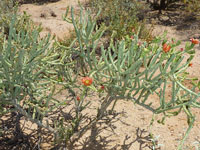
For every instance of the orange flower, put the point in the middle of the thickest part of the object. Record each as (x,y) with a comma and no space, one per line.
(194,41)
(190,64)
(87,81)
(166,48)
(78,98)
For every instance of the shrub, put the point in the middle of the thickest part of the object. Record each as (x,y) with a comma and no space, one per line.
(32,74)
(121,17)
(6,10)
(24,61)
(193,7)
(130,70)
(22,22)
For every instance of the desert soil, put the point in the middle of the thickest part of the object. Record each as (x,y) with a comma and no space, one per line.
(129,128)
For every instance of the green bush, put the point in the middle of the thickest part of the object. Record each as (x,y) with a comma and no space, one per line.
(132,71)
(193,7)
(6,10)
(25,86)
(22,22)
(121,17)
(21,62)
(33,71)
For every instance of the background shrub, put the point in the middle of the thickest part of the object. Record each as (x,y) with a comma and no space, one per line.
(193,7)
(22,22)
(123,17)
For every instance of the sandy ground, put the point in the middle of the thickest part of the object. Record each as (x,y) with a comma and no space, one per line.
(50,16)
(129,129)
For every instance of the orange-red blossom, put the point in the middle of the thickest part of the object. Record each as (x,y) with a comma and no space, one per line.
(166,48)
(87,81)
(78,98)
(182,49)
(194,41)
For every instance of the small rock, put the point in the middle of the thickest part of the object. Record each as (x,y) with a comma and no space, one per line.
(164,18)
(43,15)
(53,14)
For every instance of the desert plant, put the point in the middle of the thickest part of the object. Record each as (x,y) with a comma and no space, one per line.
(6,9)
(131,70)
(193,7)
(31,70)
(22,22)
(23,83)
(122,16)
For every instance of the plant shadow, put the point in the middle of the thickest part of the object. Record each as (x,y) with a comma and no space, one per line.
(175,15)
(38,2)
(13,138)
(101,133)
